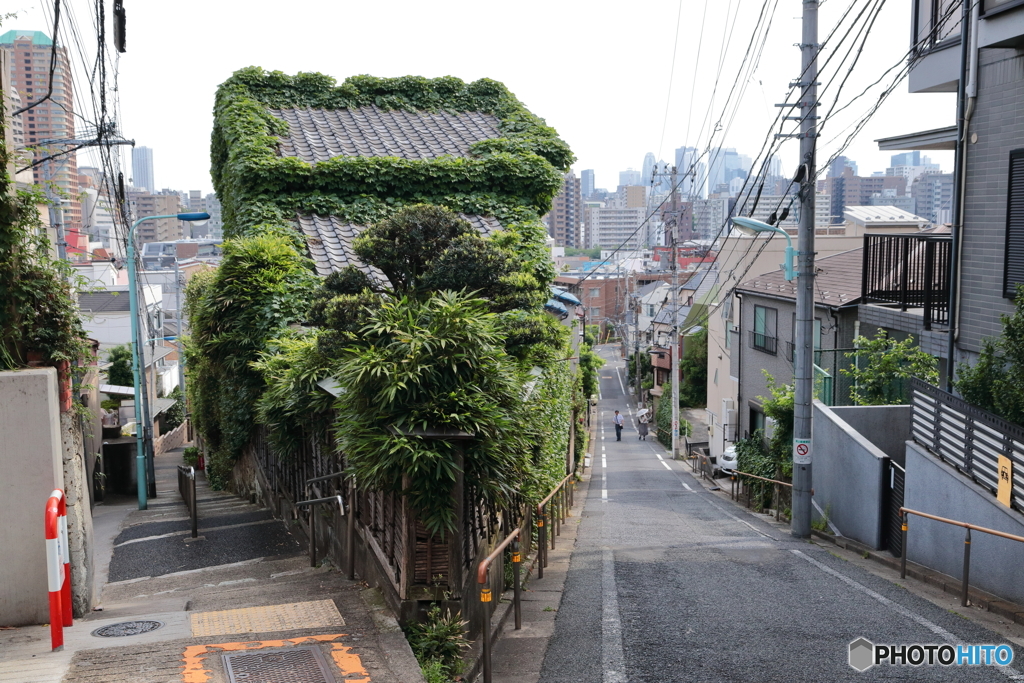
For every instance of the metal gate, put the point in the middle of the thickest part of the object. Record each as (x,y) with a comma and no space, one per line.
(893,503)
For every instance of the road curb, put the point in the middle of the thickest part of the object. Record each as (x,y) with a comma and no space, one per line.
(948,584)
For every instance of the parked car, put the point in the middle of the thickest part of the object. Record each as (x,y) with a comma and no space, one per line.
(726,462)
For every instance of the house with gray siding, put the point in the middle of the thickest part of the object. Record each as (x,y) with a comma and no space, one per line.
(992,248)
(764,340)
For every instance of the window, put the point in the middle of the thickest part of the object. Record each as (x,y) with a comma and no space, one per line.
(595,292)
(765,329)
(936,21)
(650,310)
(595,312)
(1013,272)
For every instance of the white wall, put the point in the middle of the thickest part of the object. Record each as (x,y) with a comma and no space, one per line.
(30,458)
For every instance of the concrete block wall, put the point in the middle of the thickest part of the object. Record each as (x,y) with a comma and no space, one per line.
(848,474)
(934,487)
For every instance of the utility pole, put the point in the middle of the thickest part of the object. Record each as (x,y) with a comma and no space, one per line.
(180,331)
(804,356)
(636,348)
(675,350)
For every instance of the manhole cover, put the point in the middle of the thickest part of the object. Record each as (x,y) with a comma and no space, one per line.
(282,665)
(127,628)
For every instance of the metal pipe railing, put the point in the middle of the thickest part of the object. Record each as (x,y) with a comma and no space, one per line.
(312,521)
(562,498)
(482,572)
(187,489)
(906,512)
(734,488)
(350,525)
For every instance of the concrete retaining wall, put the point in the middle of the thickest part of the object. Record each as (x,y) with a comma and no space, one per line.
(30,458)
(887,427)
(171,440)
(936,488)
(848,474)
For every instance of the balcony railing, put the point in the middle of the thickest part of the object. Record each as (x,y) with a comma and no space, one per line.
(910,272)
(762,342)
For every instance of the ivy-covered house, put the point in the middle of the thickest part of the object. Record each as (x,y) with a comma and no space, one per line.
(380,305)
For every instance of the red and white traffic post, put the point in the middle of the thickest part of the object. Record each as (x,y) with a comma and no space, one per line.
(58,567)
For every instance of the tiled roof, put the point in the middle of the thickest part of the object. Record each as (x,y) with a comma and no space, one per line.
(330,241)
(104,302)
(837,283)
(316,135)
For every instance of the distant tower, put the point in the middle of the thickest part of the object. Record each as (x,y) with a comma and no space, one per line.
(648,169)
(587,182)
(48,121)
(565,220)
(142,169)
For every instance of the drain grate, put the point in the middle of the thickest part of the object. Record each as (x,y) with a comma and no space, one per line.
(280,665)
(126,628)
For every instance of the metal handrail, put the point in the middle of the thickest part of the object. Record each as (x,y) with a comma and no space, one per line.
(350,527)
(734,486)
(188,494)
(312,522)
(967,544)
(562,498)
(482,572)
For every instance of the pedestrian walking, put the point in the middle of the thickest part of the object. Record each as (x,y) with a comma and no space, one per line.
(619,421)
(641,423)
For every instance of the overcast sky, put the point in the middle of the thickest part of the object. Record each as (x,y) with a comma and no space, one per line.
(599,72)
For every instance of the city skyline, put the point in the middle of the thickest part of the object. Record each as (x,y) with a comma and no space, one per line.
(606,138)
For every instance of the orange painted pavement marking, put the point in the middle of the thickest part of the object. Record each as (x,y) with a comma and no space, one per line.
(195,671)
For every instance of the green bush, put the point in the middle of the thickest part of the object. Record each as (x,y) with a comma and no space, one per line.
(191,456)
(438,643)
(663,417)
(119,373)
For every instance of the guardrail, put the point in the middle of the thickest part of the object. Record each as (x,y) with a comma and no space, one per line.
(735,487)
(350,524)
(187,489)
(58,567)
(906,512)
(482,572)
(562,498)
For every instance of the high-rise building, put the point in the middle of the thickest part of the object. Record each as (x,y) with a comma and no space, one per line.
(838,166)
(610,227)
(906,159)
(933,193)
(852,190)
(162,229)
(565,220)
(49,122)
(630,177)
(647,174)
(587,182)
(691,171)
(142,169)
(911,166)
(710,216)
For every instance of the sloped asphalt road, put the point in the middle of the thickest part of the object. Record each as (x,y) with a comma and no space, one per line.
(668,583)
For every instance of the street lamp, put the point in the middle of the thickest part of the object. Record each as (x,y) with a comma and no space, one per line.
(750,227)
(140,457)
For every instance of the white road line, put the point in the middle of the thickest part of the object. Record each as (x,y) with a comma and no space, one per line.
(1007,671)
(613,660)
(658,456)
(667,466)
(618,373)
(686,486)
